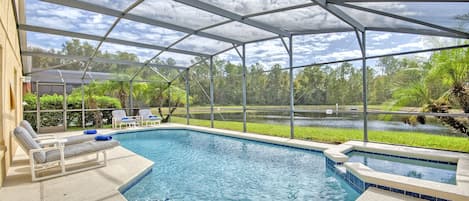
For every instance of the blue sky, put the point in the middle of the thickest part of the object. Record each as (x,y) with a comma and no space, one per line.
(307,48)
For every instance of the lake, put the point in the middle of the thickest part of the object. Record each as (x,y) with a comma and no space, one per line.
(353,121)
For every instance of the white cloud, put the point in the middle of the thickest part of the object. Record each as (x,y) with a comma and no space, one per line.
(400,48)
(381,37)
(202,44)
(142,53)
(177,13)
(335,56)
(66,18)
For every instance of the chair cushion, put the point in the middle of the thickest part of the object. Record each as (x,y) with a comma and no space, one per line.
(154,118)
(81,149)
(129,120)
(79,139)
(26,125)
(27,142)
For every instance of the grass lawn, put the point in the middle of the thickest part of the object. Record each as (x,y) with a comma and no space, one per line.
(236,109)
(339,135)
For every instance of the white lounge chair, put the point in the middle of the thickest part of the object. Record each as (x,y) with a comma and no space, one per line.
(119,117)
(41,159)
(48,137)
(148,117)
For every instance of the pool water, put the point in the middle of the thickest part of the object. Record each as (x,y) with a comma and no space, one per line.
(433,171)
(191,165)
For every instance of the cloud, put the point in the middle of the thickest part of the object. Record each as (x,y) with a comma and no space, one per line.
(66,18)
(144,33)
(118,5)
(303,19)
(381,37)
(180,59)
(177,13)
(239,31)
(336,56)
(250,6)
(142,53)
(201,44)
(267,53)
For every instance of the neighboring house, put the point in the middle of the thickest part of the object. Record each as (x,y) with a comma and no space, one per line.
(70,77)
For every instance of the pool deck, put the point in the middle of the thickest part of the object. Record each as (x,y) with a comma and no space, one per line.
(101,184)
(124,167)
(381,195)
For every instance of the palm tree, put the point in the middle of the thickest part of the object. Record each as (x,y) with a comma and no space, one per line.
(447,68)
(452,66)
(91,90)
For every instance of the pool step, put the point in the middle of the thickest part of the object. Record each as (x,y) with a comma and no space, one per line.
(374,194)
(341,169)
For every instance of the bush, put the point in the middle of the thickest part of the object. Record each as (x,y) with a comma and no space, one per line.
(54,102)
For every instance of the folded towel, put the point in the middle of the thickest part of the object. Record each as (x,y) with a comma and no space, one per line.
(103,138)
(90,132)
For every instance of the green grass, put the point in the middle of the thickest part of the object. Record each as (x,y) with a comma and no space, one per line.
(338,135)
(236,109)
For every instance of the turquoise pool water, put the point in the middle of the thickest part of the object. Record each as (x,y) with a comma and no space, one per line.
(439,172)
(190,165)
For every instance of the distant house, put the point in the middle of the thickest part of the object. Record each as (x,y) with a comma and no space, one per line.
(71,78)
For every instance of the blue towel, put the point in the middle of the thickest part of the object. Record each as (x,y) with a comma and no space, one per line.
(125,118)
(103,138)
(90,132)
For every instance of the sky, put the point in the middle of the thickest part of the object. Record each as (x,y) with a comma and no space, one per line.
(307,49)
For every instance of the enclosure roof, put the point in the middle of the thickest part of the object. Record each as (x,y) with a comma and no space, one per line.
(184,30)
(71,76)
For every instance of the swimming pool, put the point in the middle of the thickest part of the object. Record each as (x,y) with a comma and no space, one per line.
(433,171)
(191,165)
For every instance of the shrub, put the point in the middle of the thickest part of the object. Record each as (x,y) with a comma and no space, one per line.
(55,102)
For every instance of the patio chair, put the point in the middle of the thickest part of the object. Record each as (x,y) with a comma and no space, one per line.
(148,117)
(43,159)
(44,138)
(119,117)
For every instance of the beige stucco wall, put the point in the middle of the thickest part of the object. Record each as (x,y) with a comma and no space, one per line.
(10,84)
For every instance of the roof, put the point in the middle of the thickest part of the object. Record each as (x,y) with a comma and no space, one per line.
(189,31)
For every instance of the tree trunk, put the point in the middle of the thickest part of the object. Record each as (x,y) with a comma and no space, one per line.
(450,121)
(97,115)
(166,119)
(462,96)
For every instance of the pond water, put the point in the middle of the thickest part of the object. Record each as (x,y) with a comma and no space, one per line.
(354,121)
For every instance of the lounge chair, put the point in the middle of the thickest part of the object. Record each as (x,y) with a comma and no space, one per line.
(49,137)
(42,159)
(119,117)
(148,117)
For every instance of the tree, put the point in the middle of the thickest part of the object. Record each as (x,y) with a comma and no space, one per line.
(452,66)
(310,86)
(448,68)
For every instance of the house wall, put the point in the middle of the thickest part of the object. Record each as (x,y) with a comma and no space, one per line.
(11,92)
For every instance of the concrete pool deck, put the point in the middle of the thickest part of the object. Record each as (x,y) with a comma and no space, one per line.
(124,166)
(101,184)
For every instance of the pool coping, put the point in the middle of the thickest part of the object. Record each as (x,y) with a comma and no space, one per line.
(362,177)
(301,144)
